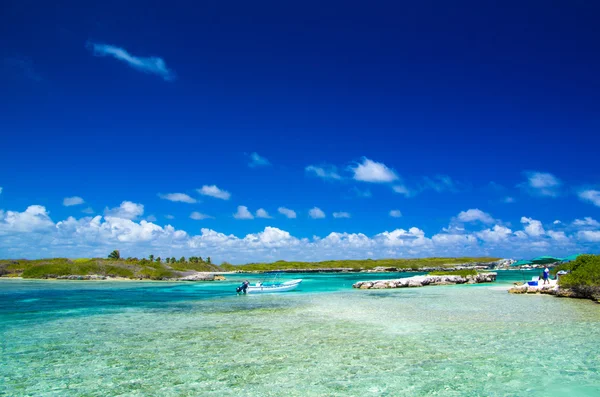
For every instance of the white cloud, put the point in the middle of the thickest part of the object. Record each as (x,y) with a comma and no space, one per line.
(35,218)
(151,218)
(541,184)
(150,65)
(324,172)
(557,222)
(291,214)
(127,210)
(257,161)
(32,233)
(261,213)
(316,213)
(401,189)
(534,227)
(371,171)
(496,234)
(508,200)
(341,215)
(593,196)
(414,237)
(88,210)
(558,236)
(589,235)
(214,191)
(70,201)
(169,217)
(243,213)
(586,222)
(197,216)
(395,213)
(178,197)
(449,239)
(473,215)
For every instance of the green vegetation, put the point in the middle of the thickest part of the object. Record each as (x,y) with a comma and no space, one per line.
(462,273)
(361,264)
(128,268)
(583,277)
(157,268)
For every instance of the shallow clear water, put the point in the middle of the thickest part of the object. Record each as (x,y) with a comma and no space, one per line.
(74,338)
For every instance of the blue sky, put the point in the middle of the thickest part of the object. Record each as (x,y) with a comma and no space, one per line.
(163,128)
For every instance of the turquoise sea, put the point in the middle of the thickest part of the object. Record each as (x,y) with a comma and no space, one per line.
(78,338)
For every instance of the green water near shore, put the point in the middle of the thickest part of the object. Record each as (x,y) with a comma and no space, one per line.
(162,339)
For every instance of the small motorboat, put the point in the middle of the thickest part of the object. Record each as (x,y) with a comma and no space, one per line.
(260,288)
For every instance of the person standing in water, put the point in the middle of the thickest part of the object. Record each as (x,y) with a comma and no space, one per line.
(546,275)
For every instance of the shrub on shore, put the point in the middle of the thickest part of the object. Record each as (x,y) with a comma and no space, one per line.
(583,277)
(462,273)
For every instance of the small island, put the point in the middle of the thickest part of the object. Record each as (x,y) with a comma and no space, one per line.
(195,268)
(578,279)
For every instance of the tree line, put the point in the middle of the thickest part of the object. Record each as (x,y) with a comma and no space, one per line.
(116,255)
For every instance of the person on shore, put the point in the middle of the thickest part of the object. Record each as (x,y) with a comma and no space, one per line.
(546,275)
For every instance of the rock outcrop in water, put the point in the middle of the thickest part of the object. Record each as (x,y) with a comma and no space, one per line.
(579,293)
(421,281)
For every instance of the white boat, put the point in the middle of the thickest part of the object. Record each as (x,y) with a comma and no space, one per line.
(259,288)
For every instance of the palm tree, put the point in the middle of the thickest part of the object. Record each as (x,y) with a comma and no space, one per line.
(208,260)
(114,255)
(151,258)
(158,259)
(182,259)
(168,260)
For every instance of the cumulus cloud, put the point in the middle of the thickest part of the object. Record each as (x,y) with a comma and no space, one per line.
(150,65)
(70,201)
(262,213)
(214,191)
(557,222)
(32,233)
(586,222)
(541,184)
(291,214)
(589,235)
(88,210)
(197,216)
(372,171)
(243,213)
(593,196)
(558,236)
(496,234)
(473,215)
(341,215)
(395,213)
(533,227)
(127,210)
(316,213)
(34,218)
(151,218)
(257,161)
(324,172)
(169,217)
(178,197)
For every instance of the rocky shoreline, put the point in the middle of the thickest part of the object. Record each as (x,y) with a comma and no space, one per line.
(422,281)
(555,290)
(382,269)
